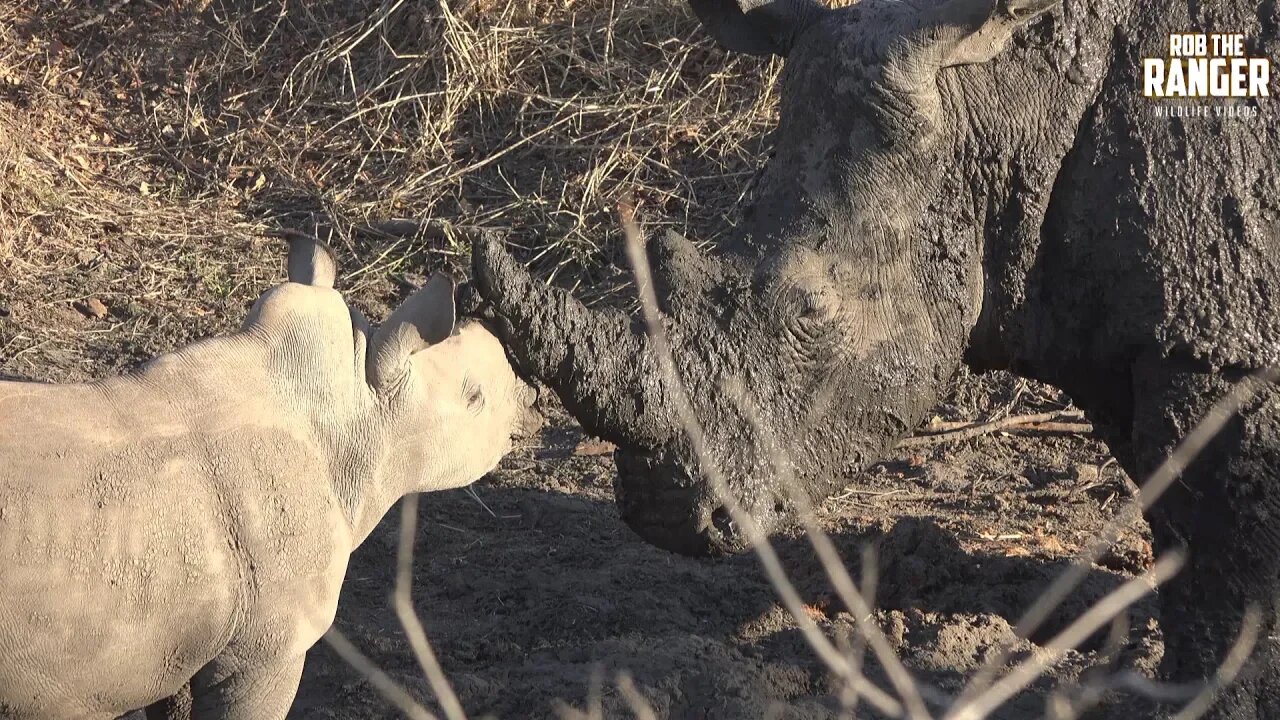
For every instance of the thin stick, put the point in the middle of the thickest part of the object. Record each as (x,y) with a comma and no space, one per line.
(1230,667)
(1198,695)
(1156,485)
(954,432)
(856,652)
(831,561)
(1073,636)
(382,682)
(636,701)
(403,602)
(755,535)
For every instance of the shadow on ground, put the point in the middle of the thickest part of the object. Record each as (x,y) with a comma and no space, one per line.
(535,594)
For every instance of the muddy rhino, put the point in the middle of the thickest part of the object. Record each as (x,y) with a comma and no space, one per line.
(191,522)
(965,181)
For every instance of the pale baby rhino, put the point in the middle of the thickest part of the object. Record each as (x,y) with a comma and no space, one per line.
(190,523)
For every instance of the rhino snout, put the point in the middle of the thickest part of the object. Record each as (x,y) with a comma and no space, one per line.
(676,510)
(528,420)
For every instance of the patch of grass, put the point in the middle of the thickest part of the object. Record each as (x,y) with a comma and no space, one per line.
(136,133)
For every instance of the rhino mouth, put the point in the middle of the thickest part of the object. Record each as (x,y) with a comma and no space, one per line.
(676,510)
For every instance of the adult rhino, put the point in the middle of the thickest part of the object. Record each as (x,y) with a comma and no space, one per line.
(976,181)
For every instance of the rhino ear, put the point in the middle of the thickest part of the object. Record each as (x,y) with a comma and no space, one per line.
(756,27)
(954,32)
(311,261)
(426,318)
(964,32)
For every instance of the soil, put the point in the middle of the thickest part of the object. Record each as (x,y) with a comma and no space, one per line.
(535,596)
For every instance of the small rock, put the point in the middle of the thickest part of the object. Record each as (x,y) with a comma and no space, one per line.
(1085,475)
(93,307)
(593,447)
(1132,554)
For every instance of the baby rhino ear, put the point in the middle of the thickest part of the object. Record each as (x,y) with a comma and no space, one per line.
(426,318)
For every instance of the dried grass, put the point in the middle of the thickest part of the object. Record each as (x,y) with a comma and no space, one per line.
(146,142)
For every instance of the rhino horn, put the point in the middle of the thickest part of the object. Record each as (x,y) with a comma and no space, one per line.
(600,366)
(311,261)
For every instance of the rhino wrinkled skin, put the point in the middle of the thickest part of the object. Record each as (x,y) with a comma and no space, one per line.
(961,181)
(191,522)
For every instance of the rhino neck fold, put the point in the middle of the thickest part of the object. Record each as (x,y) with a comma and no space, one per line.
(240,384)
(364,508)
(367,488)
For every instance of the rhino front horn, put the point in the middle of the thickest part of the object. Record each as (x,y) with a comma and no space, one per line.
(311,261)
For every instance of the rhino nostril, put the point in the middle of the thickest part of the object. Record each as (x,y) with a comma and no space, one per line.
(721,520)
(529,423)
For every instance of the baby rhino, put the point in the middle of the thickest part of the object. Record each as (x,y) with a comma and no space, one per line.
(191,522)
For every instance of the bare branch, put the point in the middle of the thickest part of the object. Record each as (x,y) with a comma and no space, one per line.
(1041,422)
(1156,485)
(751,529)
(382,682)
(1230,668)
(1072,637)
(402,600)
(639,706)
(1198,696)
(832,563)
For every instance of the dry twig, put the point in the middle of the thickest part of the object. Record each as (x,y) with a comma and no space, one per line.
(403,603)
(1051,422)
(758,541)
(1159,481)
(379,679)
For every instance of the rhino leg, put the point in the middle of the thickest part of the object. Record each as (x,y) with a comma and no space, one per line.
(1224,511)
(263,692)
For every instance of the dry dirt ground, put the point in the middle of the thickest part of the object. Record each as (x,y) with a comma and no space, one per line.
(148,148)
(535,595)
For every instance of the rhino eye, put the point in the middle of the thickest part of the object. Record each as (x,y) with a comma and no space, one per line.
(810,327)
(474,397)
(810,305)
(814,304)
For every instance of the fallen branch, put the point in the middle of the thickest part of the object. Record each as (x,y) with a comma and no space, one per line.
(392,228)
(1050,422)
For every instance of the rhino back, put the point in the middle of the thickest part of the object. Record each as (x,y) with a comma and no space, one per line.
(107,554)
(146,524)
